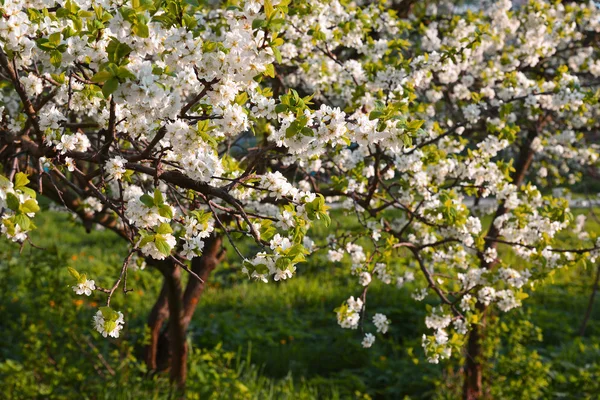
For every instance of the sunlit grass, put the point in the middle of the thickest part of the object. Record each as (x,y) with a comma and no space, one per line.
(273,329)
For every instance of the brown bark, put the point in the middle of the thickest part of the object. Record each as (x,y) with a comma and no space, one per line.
(473,368)
(177,337)
(403,7)
(202,266)
(168,348)
(158,315)
(521,167)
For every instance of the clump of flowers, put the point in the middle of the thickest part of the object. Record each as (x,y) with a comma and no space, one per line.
(84,285)
(108,322)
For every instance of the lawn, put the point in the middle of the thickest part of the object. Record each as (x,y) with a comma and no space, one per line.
(255,340)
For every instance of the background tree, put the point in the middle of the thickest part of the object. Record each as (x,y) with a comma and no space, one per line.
(509,101)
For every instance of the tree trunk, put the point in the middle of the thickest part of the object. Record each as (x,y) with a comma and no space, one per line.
(167,349)
(158,315)
(473,370)
(202,266)
(177,337)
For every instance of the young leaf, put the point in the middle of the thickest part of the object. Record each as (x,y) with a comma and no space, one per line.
(109,87)
(270,71)
(162,245)
(164,228)
(21,180)
(165,211)
(12,201)
(23,221)
(158,197)
(30,206)
(55,58)
(101,76)
(147,200)
(73,273)
(269,10)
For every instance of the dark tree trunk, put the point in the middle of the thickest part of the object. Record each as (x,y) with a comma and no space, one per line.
(473,368)
(167,349)
(177,338)
(158,315)
(202,266)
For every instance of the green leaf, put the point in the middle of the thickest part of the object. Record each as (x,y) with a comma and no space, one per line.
(85,14)
(283,263)
(165,211)
(117,51)
(258,23)
(147,200)
(277,54)
(145,240)
(9,225)
(109,314)
(12,201)
(374,115)
(59,78)
(101,76)
(326,218)
(240,99)
(164,228)
(158,197)
(28,191)
(162,245)
(201,216)
(190,21)
(109,325)
(55,58)
(269,10)
(270,71)
(21,180)
(124,73)
(73,273)
(275,24)
(109,87)
(23,221)
(141,30)
(415,124)
(306,131)
(281,108)
(30,206)
(44,44)
(54,38)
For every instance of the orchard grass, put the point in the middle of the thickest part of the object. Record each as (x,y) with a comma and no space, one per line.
(251,340)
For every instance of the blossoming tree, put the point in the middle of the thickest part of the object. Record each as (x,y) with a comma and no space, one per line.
(449,119)
(128,113)
(181,124)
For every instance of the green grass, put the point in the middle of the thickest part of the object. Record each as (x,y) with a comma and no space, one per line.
(255,340)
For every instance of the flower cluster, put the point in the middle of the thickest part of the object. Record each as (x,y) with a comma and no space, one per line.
(108,322)
(18,204)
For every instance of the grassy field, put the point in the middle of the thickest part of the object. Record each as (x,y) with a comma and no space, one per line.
(254,340)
